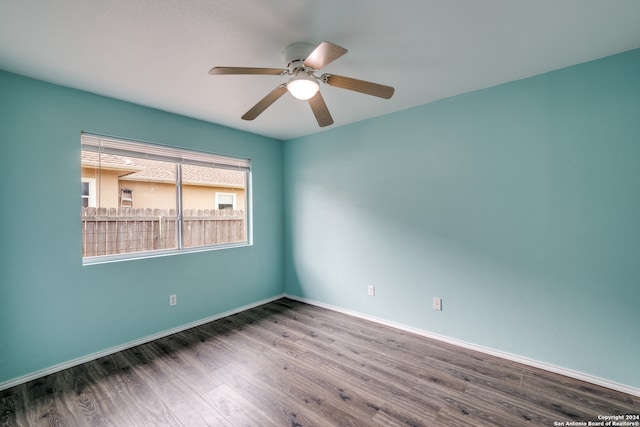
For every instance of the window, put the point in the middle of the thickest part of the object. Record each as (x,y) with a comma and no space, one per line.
(225,201)
(88,192)
(141,200)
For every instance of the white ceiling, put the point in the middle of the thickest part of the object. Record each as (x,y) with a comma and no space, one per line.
(158,52)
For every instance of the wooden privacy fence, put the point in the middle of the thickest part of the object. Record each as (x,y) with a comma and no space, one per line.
(108,231)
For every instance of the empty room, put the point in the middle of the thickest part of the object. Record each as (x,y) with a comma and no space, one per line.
(337,213)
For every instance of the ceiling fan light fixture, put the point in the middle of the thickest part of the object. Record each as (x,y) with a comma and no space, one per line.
(303,60)
(302,86)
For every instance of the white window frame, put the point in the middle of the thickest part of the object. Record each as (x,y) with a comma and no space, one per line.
(92,191)
(105,144)
(217,199)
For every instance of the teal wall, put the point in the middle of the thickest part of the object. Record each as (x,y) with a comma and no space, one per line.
(52,309)
(519,205)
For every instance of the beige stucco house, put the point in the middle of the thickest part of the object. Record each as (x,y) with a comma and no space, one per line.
(113,181)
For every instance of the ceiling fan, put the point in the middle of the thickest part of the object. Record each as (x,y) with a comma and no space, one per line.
(303,61)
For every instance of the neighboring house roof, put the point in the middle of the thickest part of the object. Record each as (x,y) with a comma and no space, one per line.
(137,169)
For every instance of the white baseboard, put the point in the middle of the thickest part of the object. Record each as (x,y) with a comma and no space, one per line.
(513,357)
(56,368)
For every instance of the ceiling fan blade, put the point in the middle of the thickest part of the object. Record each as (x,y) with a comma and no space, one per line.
(323,55)
(320,110)
(246,70)
(361,86)
(265,102)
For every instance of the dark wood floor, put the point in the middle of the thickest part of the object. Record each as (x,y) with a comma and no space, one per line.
(291,364)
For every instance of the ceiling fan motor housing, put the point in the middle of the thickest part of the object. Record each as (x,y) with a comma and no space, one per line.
(296,53)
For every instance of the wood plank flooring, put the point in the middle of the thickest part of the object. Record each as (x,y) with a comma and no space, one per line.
(291,364)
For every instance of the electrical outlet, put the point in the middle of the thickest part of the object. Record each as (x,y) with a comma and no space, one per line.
(172,300)
(371,291)
(437,303)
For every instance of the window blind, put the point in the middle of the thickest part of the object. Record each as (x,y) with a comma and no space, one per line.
(110,145)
